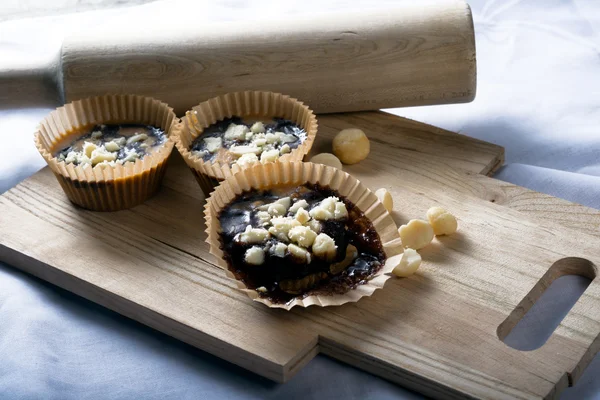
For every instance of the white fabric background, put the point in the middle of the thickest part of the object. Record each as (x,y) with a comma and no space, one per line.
(538,96)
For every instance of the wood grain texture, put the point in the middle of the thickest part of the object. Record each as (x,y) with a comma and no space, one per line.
(436,332)
(398,137)
(545,208)
(412,55)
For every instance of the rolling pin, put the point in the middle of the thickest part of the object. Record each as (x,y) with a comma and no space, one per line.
(407,56)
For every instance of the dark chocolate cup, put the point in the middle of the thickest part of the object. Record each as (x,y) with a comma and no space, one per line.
(265,176)
(242,104)
(106,187)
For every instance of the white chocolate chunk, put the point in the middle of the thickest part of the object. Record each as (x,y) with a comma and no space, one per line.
(276,209)
(327,159)
(269,156)
(409,263)
(252,235)
(130,155)
(241,150)
(284,223)
(106,164)
(285,149)
(302,216)
(442,222)
(236,132)
(259,142)
(254,255)
(329,203)
(329,208)
(261,289)
(287,138)
(264,217)
(246,160)
(281,227)
(279,136)
(299,253)
(324,247)
(279,249)
(249,135)
(416,234)
(278,233)
(258,127)
(314,225)
(100,154)
(340,211)
(385,198)
(136,138)
(120,141)
(96,134)
(320,213)
(272,138)
(88,148)
(112,146)
(298,205)
(213,143)
(77,157)
(285,201)
(302,235)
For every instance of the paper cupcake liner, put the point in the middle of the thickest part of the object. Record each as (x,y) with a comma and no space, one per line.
(242,104)
(271,175)
(103,187)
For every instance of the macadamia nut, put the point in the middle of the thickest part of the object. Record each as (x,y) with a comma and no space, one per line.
(416,234)
(409,263)
(351,146)
(442,222)
(327,159)
(385,198)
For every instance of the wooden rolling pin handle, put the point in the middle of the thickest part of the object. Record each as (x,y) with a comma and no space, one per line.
(29,83)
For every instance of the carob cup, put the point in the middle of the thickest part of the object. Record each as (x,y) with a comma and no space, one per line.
(273,268)
(114,170)
(289,127)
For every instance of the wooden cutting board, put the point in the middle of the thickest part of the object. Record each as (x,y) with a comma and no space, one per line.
(438,332)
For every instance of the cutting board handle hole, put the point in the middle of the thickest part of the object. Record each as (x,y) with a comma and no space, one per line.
(533,321)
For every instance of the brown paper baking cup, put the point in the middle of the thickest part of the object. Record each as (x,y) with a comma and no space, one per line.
(104,187)
(271,175)
(241,104)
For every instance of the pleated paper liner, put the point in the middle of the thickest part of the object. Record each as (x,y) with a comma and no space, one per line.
(105,187)
(249,104)
(296,173)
